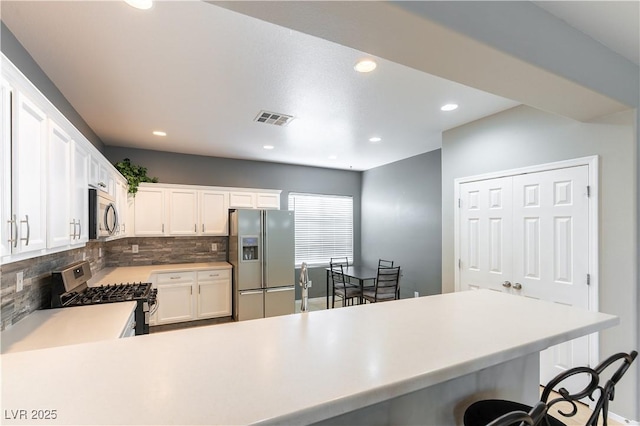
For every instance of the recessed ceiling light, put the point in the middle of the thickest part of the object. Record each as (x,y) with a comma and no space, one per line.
(333,157)
(365,65)
(268,147)
(140,4)
(449,107)
(159,133)
(375,139)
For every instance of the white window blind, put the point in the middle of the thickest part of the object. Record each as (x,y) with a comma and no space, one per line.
(324,227)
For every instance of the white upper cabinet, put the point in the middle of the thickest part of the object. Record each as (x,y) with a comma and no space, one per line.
(61,228)
(254,200)
(6,228)
(29,177)
(214,213)
(183,211)
(68,203)
(242,200)
(122,207)
(80,159)
(268,200)
(149,216)
(102,176)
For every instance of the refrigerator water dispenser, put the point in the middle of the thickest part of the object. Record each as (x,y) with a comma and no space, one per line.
(250,248)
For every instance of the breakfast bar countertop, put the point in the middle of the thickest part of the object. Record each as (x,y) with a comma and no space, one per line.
(123,274)
(288,369)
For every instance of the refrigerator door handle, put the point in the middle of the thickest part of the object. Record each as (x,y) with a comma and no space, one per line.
(242,293)
(263,248)
(280,289)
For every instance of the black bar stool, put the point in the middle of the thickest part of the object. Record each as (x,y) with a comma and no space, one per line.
(482,413)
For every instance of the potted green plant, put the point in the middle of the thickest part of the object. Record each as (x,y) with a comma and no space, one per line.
(134,174)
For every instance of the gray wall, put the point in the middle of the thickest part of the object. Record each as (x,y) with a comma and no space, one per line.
(201,170)
(401,220)
(524,136)
(17,54)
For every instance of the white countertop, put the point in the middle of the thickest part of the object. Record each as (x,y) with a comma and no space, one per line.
(294,369)
(67,326)
(117,275)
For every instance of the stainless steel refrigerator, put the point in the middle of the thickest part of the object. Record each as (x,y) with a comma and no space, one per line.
(261,250)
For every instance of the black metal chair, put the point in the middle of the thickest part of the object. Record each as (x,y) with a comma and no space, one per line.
(385,287)
(483,412)
(385,263)
(519,417)
(341,288)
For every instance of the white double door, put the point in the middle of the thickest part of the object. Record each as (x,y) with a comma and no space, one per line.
(528,235)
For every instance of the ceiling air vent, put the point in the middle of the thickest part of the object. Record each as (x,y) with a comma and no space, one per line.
(274,118)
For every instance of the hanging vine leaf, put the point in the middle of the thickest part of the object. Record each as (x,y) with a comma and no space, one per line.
(134,174)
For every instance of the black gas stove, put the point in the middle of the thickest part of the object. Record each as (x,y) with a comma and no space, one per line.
(70,289)
(108,294)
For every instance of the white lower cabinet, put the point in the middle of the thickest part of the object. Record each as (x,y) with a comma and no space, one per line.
(192,295)
(175,294)
(214,294)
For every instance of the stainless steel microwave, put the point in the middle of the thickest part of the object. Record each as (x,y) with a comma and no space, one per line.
(103,215)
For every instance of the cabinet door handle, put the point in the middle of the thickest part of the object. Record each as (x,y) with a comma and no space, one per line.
(73,234)
(174,278)
(203,227)
(26,220)
(195,227)
(79,228)
(13,231)
(163,228)
(517,286)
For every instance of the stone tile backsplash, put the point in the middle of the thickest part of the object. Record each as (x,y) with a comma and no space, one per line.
(36,293)
(151,251)
(165,250)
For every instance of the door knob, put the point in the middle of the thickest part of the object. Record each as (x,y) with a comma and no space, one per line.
(517,286)
(506,284)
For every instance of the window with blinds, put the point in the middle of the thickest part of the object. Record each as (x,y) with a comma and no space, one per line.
(324,227)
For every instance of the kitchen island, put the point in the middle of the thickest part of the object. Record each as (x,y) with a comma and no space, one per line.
(412,361)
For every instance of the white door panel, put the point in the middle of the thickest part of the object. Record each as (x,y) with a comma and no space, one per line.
(550,223)
(551,257)
(485,233)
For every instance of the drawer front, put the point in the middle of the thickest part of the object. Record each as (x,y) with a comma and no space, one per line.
(175,277)
(214,274)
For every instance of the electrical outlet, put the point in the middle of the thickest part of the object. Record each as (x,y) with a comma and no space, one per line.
(134,248)
(84,256)
(214,247)
(416,294)
(99,251)
(309,283)
(19,281)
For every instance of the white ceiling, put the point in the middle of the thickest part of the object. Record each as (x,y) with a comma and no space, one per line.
(202,73)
